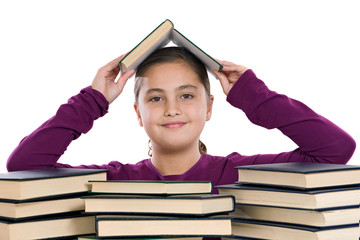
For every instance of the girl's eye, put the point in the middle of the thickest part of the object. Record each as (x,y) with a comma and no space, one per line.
(187,96)
(155,99)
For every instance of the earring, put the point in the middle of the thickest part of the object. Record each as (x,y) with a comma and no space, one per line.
(150,148)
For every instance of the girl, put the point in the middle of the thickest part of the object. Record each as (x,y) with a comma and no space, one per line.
(172,103)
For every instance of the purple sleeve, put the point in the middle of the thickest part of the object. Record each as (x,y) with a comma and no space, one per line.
(43,147)
(319,139)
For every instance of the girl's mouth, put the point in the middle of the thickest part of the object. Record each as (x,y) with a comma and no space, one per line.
(173,125)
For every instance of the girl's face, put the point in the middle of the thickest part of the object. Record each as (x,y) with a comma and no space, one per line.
(173,106)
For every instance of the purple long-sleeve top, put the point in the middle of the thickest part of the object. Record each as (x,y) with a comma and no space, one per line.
(318,139)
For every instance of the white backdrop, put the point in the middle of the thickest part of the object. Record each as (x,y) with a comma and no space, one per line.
(49,50)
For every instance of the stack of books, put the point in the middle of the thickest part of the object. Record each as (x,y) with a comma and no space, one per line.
(45,204)
(144,209)
(296,201)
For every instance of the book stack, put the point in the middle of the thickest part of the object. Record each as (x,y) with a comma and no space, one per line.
(296,201)
(45,204)
(151,209)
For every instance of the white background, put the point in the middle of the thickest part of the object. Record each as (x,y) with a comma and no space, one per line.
(50,50)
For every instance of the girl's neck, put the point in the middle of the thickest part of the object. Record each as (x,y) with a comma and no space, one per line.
(175,163)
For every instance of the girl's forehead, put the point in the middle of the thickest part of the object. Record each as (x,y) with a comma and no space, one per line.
(170,74)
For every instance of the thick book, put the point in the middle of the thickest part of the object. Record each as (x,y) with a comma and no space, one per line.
(152,187)
(26,209)
(162,238)
(158,38)
(156,226)
(189,205)
(318,218)
(47,228)
(300,175)
(269,230)
(284,197)
(21,185)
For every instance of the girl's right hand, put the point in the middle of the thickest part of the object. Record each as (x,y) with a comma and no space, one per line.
(229,75)
(104,80)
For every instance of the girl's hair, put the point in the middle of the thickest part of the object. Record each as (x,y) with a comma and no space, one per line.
(169,55)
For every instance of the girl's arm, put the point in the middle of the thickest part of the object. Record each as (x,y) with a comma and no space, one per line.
(43,147)
(319,139)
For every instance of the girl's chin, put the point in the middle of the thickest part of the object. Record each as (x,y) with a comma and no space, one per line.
(176,145)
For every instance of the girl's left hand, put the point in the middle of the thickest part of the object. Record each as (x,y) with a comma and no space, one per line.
(229,75)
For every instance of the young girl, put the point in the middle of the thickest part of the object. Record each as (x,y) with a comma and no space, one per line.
(172,103)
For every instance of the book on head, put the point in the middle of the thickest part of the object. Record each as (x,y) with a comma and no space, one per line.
(300,175)
(158,38)
(152,187)
(42,183)
(187,205)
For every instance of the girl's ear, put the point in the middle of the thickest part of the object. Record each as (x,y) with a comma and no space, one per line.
(209,107)
(138,114)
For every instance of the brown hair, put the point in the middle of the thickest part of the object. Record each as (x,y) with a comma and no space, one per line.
(168,55)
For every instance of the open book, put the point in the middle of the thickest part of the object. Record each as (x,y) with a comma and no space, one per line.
(158,38)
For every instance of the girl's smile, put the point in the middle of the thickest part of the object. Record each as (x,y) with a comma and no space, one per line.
(174,124)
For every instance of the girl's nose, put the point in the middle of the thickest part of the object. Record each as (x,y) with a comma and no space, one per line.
(172,109)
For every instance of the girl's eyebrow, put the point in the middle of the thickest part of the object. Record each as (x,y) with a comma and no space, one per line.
(187,86)
(159,90)
(151,90)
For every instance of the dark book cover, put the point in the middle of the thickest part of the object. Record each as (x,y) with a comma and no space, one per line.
(190,196)
(294,226)
(305,209)
(48,198)
(300,167)
(46,218)
(239,186)
(48,173)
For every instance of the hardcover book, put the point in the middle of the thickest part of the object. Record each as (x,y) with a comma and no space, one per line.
(30,184)
(158,38)
(318,218)
(189,205)
(300,175)
(21,210)
(269,230)
(151,226)
(48,228)
(152,187)
(293,198)
(162,238)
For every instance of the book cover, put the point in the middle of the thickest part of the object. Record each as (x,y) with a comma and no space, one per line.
(62,226)
(48,173)
(148,238)
(41,207)
(283,231)
(318,218)
(152,187)
(295,198)
(158,38)
(31,184)
(300,175)
(151,226)
(181,205)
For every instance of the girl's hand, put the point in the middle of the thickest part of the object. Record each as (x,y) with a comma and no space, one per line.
(104,80)
(229,75)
